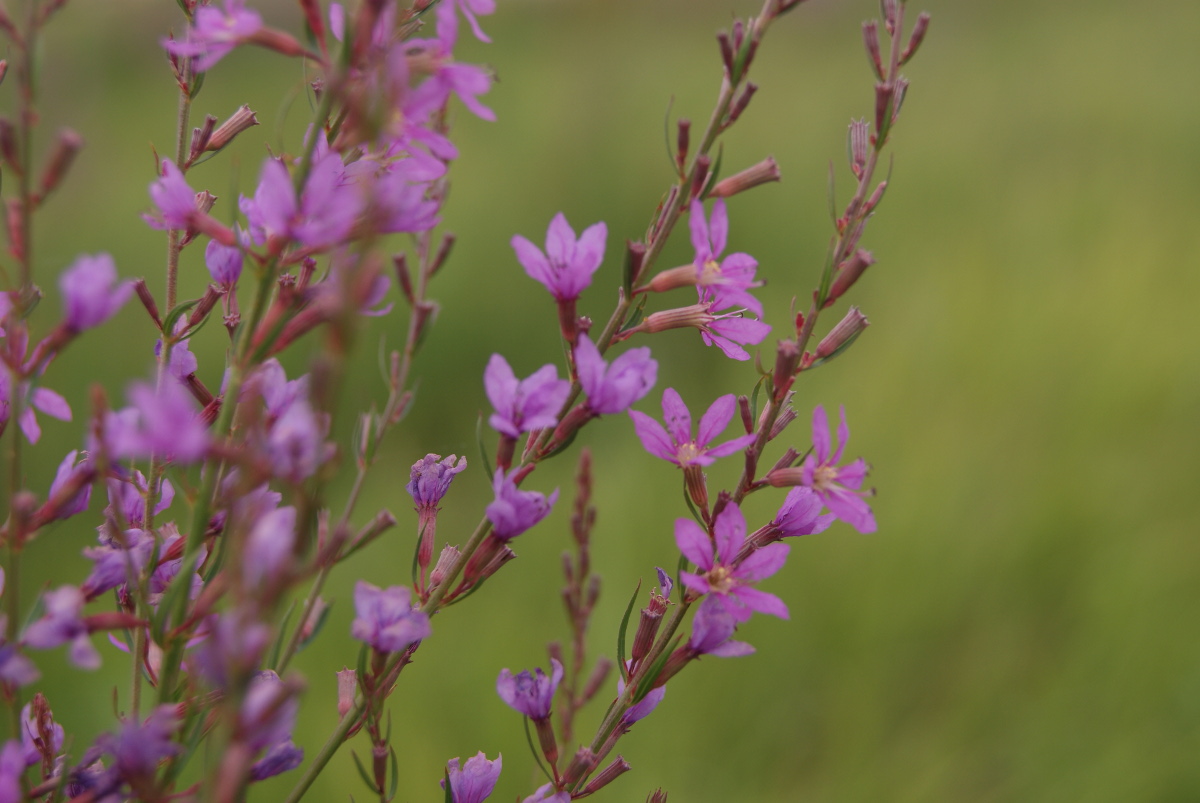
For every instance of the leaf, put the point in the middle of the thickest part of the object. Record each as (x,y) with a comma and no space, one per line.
(175,314)
(362,772)
(624,627)
(277,647)
(487,461)
(537,755)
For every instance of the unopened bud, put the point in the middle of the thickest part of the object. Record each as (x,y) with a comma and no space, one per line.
(147,298)
(856,144)
(785,417)
(580,764)
(238,122)
(741,102)
(279,41)
(842,335)
(787,359)
(347,685)
(657,796)
(3,69)
(888,9)
(920,27)
(898,97)
(747,415)
(443,254)
(871,42)
(403,277)
(700,177)
(848,273)
(597,678)
(682,142)
(212,294)
(201,137)
(607,775)
(875,198)
(765,171)
(12,221)
(66,146)
(8,145)
(726,52)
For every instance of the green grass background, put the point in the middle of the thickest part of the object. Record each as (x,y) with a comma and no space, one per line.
(1023,625)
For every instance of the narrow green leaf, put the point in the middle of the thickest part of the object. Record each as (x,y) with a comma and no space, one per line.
(277,647)
(176,313)
(362,772)
(487,461)
(537,755)
(624,627)
(322,618)
(394,768)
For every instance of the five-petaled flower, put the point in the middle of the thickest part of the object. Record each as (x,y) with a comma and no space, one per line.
(613,388)
(521,406)
(386,618)
(676,444)
(474,780)
(567,266)
(723,576)
(530,693)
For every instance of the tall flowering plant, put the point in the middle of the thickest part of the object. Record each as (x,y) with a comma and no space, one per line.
(210,594)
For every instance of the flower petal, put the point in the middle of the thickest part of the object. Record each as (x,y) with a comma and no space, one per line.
(715,419)
(693,543)
(654,438)
(676,416)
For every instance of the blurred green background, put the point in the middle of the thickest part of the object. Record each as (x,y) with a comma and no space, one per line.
(1023,625)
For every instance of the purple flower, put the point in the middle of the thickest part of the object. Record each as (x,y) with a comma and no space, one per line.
(43,399)
(63,623)
(269,547)
(15,668)
(163,422)
(386,618)
(12,770)
(643,707)
(294,442)
(430,478)
(678,446)
(89,295)
(547,794)
(724,283)
(723,577)
(712,628)
(532,694)
(567,266)
(475,780)
(838,486)
(268,713)
(514,511)
(215,32)
(725,330)
(322,216)
(280,758)
(613,388)
(522,406)
(469,9)
(32,740)
(798,516)
(224,263)
(174,200)
(113,562)
(465,80)
(138,748)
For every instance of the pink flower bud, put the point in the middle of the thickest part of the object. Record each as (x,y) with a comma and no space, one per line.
(765,171)
(842,335)
(347,685)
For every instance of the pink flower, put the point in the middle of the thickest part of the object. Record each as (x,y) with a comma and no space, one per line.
(723,576)
(567,266)
(530,693)
(838,486)
(613,388)
(215,32)
(528,404)
(679,447)
(91,292)
(725,282)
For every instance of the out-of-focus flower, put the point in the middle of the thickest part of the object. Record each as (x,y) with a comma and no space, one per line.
(138,748)
(676,444)
(162,422)
(729,581)
(41,399)
(269,547)
(641,709)
(530,693)
(546,794)
(514,511)
(567,266)
(712,629)
(63,623)
(12,770)
(215,32)
(91,293)
(224,263)
(531,403)
(386,618)
(469,9)
(321,217)
(267,718)
(474,780)
(613,388)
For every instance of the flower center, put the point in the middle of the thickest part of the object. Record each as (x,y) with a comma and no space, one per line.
(687,452)
(719,579)
(710,274)
(825,477)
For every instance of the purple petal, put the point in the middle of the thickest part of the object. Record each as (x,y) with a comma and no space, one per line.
(730,447)
(820,435)
(762,602)
(853,474)
(718,227)
(843,436)
(676,416)
(850,508)
(715,419)
(589,251)
(694,543)
(589,366)
(534,261)
(51,404)
(560,241)
(699,231)
(654,438)
(762,563)
(730,532)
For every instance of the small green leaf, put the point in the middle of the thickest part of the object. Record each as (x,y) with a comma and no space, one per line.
(322,617)
(362,772)
(176,313)
(446,786)
(277,647)
(537,755)
(624,627)
(394,768)
(487,461)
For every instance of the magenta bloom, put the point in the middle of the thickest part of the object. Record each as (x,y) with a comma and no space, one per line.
(42,399)
(465,80)
(12,770)
(215,32)
(138,748)
(514,511)
(469,9)
(475,780)
(223,262)
(164,423)
(547,794)
(522,406)
(67,472)
(799,514)
(613,388)
(838,486)
(322,216)
(725,282)
(679,447)
(430,478)
(63,623)
(723,577)
(567,266)
(712,629)
(645,706)
(89,295)
(386,618)
(174,200)
(530,694)
(727,332)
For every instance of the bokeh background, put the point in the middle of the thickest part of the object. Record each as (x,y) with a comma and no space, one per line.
(1023,625)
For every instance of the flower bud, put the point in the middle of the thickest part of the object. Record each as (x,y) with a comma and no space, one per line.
(848,273)
(871,41)
(66,146)
(201,137)
(607,775)
(918,36)
(742,101)
(238,122)
(347,685)
(857,141)
(842,335)
(765,171)
(446,561)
